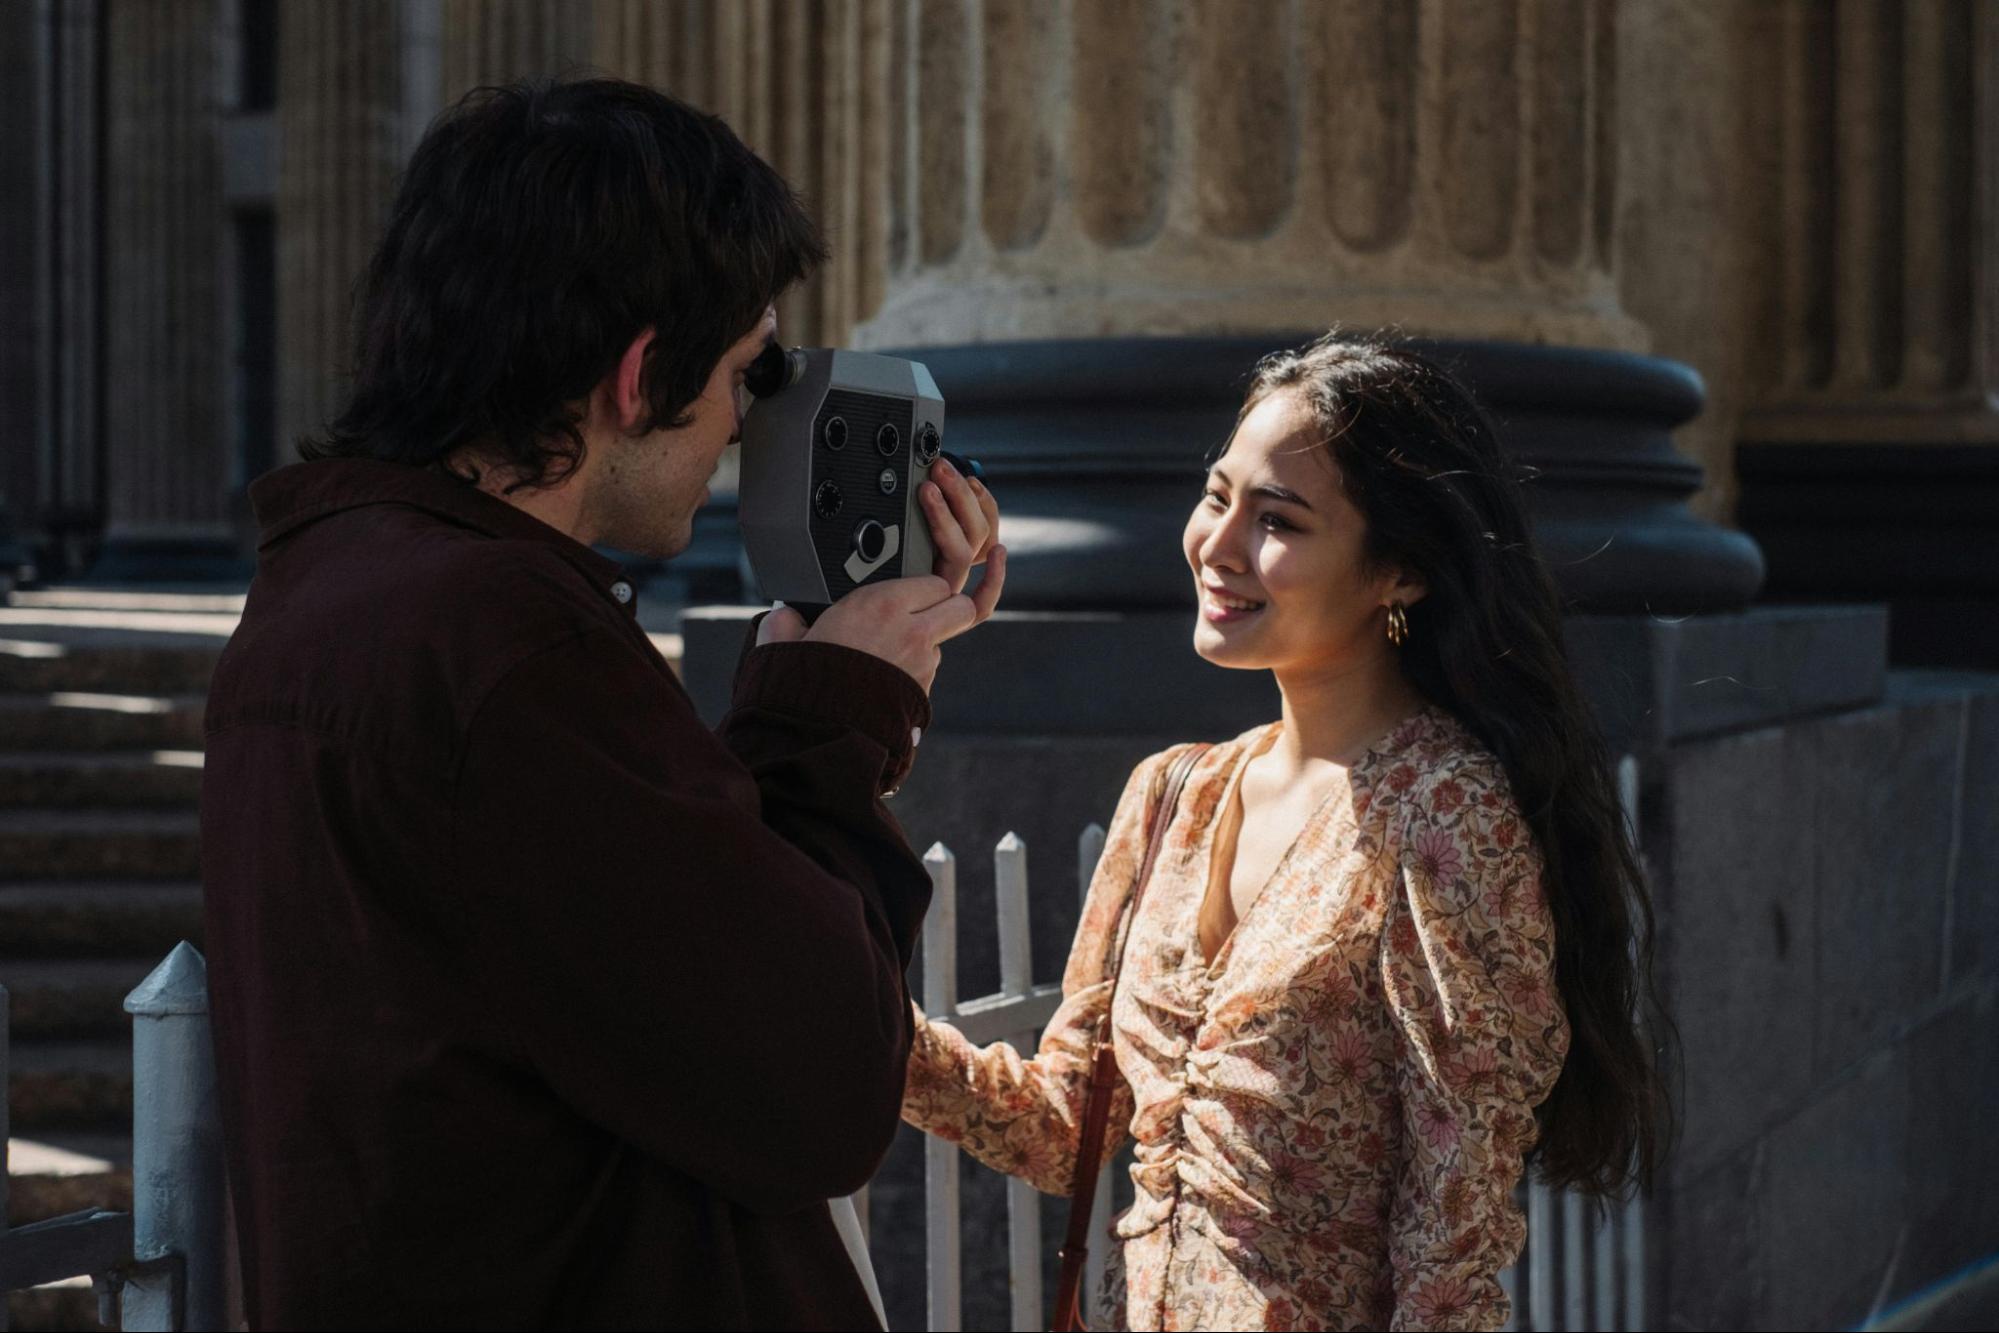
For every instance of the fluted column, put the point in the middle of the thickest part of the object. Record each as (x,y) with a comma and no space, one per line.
(1069,185)
(1869,458)
(167,449)
(1880,118)
(344,125)
(1146,167)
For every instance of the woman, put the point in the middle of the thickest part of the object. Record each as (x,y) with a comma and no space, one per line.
(1385,951)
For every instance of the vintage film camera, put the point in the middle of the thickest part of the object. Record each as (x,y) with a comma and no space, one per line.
(834,448)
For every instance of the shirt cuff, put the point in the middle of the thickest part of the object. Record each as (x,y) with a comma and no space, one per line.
(833,683)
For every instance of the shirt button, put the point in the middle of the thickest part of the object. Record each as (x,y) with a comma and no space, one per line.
(622,591)
(915,737)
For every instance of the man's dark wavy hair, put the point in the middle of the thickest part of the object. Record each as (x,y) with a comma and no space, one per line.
(537,230)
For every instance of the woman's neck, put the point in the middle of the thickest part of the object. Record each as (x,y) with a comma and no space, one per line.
(1333,714)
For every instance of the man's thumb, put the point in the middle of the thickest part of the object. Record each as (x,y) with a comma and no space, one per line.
(782,625)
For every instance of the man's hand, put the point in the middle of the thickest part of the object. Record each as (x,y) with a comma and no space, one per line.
(901,621)
(964,522)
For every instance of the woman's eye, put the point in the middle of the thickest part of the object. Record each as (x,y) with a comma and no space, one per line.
(1274,522)
(1215,497)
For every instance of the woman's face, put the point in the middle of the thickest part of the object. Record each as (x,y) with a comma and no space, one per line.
(1275,547)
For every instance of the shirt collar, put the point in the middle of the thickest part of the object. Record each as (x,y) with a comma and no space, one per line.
(293,496)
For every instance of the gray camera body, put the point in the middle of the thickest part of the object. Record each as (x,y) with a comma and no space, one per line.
(832,456)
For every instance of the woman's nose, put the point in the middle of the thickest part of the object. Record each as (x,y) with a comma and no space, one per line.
(1222,546)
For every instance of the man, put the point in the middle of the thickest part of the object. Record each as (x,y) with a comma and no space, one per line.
(536,1003)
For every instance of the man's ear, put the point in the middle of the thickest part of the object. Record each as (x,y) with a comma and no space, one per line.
(628,401)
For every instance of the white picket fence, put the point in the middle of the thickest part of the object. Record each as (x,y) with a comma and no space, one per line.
(161,1266)
(1581,1268)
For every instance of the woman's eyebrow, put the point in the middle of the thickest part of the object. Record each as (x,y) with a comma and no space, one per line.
(1284,493)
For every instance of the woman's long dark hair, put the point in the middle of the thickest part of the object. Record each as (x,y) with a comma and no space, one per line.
(1441,499)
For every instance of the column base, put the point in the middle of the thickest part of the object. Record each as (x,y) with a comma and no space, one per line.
(1095,447)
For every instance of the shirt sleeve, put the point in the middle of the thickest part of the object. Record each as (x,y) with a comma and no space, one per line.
(1467,958)
(698,942)
(1023,1115)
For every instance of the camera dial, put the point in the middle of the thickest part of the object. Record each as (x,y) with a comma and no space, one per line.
(835,433)
(888,439)
(928,443)
(826,501)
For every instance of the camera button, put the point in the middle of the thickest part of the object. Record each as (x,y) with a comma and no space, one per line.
(889,481)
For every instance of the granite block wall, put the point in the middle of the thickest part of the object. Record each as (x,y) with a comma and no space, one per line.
(1826,893)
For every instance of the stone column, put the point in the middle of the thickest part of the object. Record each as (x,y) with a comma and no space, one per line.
(352,88)
(167,448)
(1870,454)
(1068,185)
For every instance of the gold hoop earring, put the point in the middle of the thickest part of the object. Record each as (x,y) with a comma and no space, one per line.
(1398,624)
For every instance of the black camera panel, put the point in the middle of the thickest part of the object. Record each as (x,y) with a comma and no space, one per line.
(858,476)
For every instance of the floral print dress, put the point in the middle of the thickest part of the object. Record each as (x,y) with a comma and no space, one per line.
(1330,1117)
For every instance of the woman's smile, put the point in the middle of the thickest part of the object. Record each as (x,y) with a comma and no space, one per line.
(1219,607)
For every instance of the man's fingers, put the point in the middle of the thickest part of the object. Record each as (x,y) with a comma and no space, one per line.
(954,548)
(965,507)
(782,625)
(948,619)
(990,508)
(986,600)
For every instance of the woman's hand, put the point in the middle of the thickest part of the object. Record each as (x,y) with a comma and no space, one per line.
(964,522)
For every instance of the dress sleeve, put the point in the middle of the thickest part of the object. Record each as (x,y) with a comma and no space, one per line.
(1468,968)
(1022,1115)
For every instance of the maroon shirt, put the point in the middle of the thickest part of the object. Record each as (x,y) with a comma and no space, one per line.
(536,1002)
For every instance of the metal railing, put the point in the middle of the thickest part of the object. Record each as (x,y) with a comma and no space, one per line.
(161,1265)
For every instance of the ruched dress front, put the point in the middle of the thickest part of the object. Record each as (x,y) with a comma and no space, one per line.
(1329,1118)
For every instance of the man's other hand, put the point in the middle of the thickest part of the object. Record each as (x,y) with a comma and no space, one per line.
(964,522)
(901,621)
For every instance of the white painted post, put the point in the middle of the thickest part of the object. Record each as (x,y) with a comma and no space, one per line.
(1542,1305)
(1575,1261)
(1089,851)
(1508,1281)
(6,1080)
(1023,1201)
(1603,1274)
(177,1207)
(1631,1217)
(940,1158)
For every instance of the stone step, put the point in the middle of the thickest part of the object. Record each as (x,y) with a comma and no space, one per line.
(30,667)
(99,844)
(108,777)
(60,1307)
(66,1173)
(59,1174)
(69,1087)
(98,918)
(90,720)
(59,999)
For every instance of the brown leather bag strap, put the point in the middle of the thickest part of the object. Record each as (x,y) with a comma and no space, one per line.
(1103,1066)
